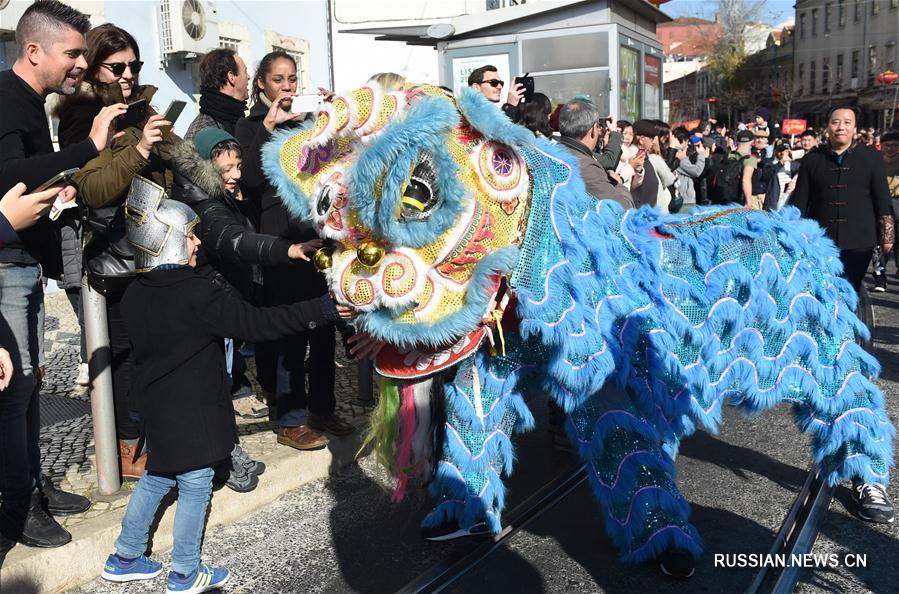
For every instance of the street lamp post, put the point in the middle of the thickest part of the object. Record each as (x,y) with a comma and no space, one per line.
(708,105)
(886,79)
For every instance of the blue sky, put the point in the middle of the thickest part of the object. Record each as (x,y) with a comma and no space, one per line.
(775,12)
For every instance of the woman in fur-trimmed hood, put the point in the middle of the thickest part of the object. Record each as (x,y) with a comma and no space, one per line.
(207,178)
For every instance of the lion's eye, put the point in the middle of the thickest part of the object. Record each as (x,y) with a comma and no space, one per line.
(324,200)
(421,194)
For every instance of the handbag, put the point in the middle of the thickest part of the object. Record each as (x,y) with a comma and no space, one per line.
(108,257)
(676,204)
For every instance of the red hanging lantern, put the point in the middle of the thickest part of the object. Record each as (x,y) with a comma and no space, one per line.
(776,93)
(713,100)
(887,78)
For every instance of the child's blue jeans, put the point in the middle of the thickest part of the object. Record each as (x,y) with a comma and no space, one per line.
(194,490)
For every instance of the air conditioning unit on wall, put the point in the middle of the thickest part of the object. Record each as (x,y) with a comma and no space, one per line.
(10,13)
(188,26)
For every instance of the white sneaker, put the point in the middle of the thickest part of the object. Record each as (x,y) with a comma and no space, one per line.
(84,376)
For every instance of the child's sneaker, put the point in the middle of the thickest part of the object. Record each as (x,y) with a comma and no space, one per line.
(203,579)
(120,570)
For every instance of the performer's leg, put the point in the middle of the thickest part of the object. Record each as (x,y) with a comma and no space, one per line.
(633,477)
(482,411)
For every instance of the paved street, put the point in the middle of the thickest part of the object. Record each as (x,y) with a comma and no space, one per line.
(344,535)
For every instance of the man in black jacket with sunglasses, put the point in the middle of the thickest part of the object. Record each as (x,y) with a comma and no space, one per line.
(485,80)
(50,43)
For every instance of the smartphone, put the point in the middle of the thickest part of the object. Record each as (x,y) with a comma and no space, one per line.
(307,103)
(173,112)
(63,178)
(134,117)
(528,82)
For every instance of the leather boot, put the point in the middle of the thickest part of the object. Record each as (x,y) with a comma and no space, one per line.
(30,524)
(302,438)
(131,469)
(60,503)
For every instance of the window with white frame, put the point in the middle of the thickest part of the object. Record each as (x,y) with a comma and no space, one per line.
(236,37)
(229,43)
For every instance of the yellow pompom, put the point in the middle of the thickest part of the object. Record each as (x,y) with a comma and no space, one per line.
(322,259)
(370,254)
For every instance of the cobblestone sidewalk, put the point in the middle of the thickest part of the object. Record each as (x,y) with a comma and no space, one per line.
(67,450)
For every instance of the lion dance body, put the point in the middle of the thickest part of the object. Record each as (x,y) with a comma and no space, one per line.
(475,253)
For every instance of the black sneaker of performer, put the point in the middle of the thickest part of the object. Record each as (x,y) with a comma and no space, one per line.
(880,282)
(873,503)
(677,563)
(450,530)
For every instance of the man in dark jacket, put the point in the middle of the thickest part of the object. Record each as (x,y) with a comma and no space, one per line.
(50,44)
(485,80)
(843,186)
(223,92)
(579,126)
(608,149)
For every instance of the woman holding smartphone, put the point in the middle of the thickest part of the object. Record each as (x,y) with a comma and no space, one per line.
(144,149)
(302,418)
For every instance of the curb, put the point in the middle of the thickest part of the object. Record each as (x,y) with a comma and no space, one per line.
(30,570)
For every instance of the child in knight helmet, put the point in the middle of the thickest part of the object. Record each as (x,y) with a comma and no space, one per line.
(176,319)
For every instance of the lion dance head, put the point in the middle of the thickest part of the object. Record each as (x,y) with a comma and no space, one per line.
(424,198)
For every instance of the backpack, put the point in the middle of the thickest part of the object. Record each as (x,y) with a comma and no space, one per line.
(762,174)
(725,180)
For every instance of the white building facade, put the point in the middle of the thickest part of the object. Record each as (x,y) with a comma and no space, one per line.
(174,34)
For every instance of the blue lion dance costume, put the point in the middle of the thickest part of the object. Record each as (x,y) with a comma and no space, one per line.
(640,326)
(681,315)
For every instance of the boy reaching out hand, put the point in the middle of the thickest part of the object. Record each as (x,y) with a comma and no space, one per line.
(176,320)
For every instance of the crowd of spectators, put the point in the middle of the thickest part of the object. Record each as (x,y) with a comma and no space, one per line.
(247,246)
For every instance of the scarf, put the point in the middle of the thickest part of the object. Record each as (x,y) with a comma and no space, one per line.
(223,109)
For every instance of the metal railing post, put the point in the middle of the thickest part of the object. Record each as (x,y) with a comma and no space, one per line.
(106,444)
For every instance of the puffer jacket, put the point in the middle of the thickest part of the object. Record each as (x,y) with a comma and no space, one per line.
(687,173)
(231,248)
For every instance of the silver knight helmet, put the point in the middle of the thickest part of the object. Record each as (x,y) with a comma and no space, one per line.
(157,227)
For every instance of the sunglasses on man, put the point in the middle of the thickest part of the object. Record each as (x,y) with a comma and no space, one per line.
(118,68)
(493,82)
